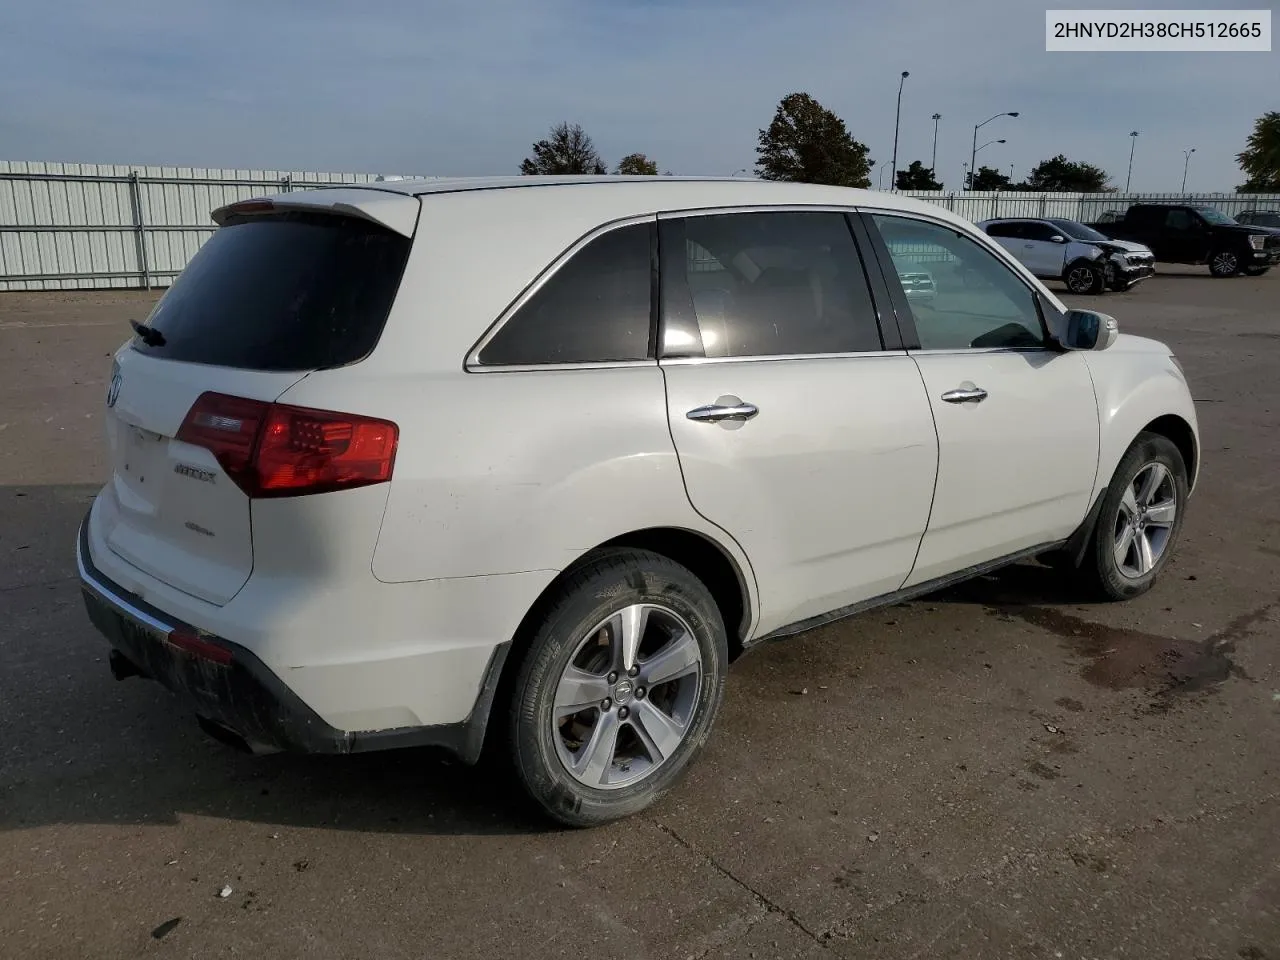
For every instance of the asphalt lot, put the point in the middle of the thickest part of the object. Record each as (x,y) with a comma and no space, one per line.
(997,771)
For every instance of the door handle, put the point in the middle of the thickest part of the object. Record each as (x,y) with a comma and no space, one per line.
(715,412)
(965,395)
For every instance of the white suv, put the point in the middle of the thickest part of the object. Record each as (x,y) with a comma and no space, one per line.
(527,462)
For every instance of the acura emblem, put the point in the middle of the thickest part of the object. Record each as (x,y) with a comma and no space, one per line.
(113,391)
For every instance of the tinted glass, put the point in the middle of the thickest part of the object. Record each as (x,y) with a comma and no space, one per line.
(1078,231)
(1145,216)
(1179,220)
(1214,215)
(1040,231)
(765,284)
(976,300)
(1004,229)
(593,308)
(288,291)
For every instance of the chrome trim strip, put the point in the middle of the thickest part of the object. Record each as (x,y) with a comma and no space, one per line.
(863,355)
(124,606)
(472,362)
(547,367)
(689,212)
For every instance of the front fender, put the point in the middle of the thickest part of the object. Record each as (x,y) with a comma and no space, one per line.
(1137,382)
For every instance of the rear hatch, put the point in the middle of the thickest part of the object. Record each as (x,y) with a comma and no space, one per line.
(272,295)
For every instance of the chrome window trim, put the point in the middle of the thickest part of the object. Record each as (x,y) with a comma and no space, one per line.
(472,362)
(685,213)
(782,357)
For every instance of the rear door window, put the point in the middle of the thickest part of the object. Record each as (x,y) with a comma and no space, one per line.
(282,291)
(764,284)
(594,308)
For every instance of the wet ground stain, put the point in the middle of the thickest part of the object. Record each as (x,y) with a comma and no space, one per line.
(1165,667)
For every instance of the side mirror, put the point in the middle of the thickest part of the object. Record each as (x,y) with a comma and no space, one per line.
(1090,330)
(1057,238)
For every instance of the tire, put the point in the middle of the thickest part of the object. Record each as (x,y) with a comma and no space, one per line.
(1224,263)
(577,657)
(1255,271)
(1083,278)
(1114,562)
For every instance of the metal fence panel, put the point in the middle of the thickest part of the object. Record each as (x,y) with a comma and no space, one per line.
(66,226)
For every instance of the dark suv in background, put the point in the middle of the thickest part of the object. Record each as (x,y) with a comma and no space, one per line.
(1194,233)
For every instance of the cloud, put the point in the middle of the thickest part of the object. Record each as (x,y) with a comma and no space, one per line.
(458,87)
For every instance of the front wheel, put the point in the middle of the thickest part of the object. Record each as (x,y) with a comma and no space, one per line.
(1085,278)
(1224,263)
(619,689)
(1140,519)
(1255,271)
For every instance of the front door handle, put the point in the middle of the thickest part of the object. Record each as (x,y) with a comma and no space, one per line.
(715,412)
(965,395)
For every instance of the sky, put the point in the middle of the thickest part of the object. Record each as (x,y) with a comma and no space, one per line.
(453,88)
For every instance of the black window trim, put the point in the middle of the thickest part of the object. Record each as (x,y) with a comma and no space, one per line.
(906,321)
(878,291)
(472,362)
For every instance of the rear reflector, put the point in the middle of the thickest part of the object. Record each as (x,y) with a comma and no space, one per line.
(194,645)
(274,450)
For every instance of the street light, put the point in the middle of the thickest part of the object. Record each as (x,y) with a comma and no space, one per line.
(896,123)
(974,170)
(880,176)
(973,157)
(1186,163)
(1133,142)
(933,164)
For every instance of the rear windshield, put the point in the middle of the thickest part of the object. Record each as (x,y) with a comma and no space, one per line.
(283,291)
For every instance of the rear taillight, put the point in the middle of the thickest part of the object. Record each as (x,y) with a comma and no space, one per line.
(274,450)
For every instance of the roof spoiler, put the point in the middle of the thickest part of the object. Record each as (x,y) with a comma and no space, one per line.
(396,211)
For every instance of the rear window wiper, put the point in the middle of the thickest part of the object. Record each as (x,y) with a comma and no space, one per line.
(148,335)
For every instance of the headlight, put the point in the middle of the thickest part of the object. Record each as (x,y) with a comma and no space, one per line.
(1257,241)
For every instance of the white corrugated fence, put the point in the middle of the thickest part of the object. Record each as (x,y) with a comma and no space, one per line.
(67,226)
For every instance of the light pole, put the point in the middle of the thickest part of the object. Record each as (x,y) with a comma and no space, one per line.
(880,177)
(1186,163)
(896,123)
(933,164)
(965,177)
(973,157)
(1133,142)
(978,150)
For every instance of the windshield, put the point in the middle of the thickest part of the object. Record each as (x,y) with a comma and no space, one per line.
(1078,231)
(1214,215)
(1265,219)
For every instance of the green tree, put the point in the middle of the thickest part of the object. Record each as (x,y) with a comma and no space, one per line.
(1060,175)
(637,165)
(808,143)
(988,178)
(917,177)
(567,151)
(1261,158)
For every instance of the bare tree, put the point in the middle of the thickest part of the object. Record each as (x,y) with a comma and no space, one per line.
(567,151)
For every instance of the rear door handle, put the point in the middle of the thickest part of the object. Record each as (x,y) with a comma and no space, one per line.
(715,412)
(965,395)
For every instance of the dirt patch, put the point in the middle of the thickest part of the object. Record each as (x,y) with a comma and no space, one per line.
(1121,659)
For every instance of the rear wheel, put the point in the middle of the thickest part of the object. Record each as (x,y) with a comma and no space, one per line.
(619,688)
(1224,263)
(1255,271)
(1140,519)
(1085,278)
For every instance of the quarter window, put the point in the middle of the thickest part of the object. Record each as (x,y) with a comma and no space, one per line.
(593,308)
(764,284)
(973,299)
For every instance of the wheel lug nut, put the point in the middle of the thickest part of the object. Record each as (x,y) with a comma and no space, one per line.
(613,677)
(623,713)
(639,693)
(606,704)
(633,671)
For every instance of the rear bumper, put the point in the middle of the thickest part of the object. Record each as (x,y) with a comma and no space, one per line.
(228,684)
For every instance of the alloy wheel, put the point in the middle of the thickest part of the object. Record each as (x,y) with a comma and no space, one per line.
(1144,522)
(625,700)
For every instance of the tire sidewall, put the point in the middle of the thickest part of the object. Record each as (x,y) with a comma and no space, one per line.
(1148,448)
(614,586)
(1213,259)
(1097,278)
